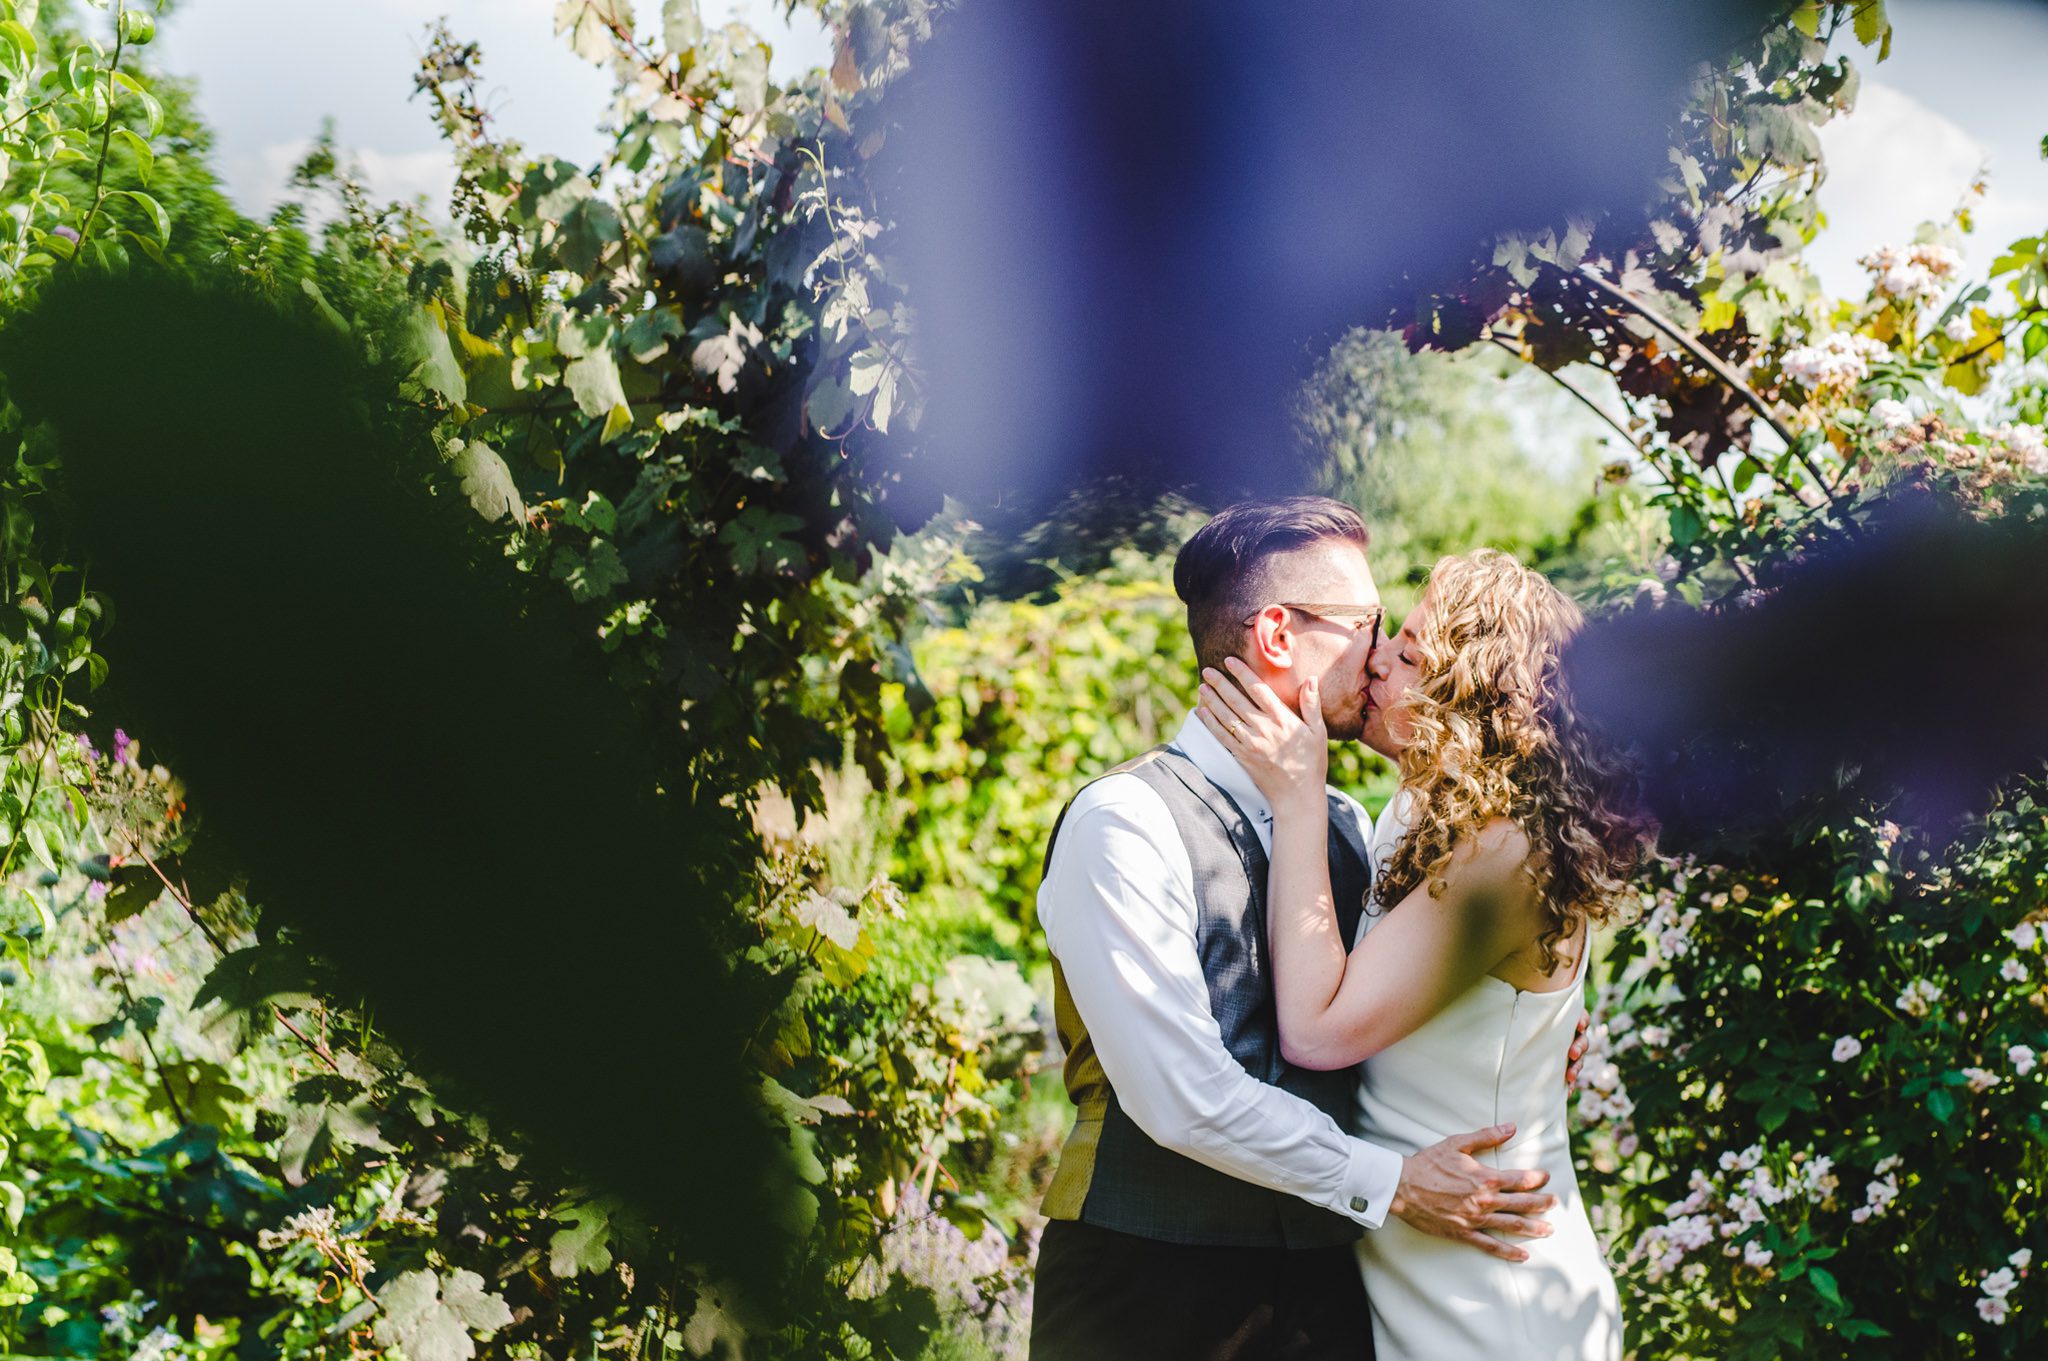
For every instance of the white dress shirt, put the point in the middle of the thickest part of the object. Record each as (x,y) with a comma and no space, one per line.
(1118,909)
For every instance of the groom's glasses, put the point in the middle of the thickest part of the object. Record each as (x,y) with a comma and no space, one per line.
(1366,618)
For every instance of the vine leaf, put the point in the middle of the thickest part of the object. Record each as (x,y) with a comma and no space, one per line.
(681,28)
(486,481)
(425,343)
(757,542)
(430,1318)
(593,379)
(583,1244)
(590,24)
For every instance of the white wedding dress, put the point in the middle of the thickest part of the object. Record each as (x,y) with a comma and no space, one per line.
(1496,1054)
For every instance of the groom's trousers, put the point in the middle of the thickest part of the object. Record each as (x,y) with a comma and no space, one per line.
(1108,1296)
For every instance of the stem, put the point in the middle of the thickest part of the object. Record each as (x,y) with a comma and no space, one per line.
(35,787)
(99,179)
(155,1059)
(1714,364)
(1588,402)
(319,1049)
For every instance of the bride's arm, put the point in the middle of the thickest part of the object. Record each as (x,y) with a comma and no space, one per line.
(1337,1007)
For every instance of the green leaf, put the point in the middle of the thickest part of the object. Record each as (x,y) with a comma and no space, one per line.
(757,542)
(1940,1104)
(1871,24)
(829,407)
(647,335)
(617,422)
(590,576)
(257,976)
(138,27)
(1824,1284)
(584,1244)
(588,230)
(148,246)
(681,28)
(589,25)
(430,1317)
(326,309)
(135,888)
(82,71)
(593,380)
(145,157)
(486,481)
(434,366)
(156,213)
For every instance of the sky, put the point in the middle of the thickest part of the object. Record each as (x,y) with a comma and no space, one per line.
(270,71)
(1963,89)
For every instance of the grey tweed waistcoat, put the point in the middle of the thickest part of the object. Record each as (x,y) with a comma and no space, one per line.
(1111,1173)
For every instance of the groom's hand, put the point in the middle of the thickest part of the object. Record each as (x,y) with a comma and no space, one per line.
(1573,1054)
(1447,1192)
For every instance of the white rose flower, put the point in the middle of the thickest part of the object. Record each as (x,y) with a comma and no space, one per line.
(1980,1080)
(2024,935)
(1891,413)
(2022,1259)
(1835,362)
(1756,1254)
(1846,1048)
(1991,1309)
(2013,971)
(2026,443)
(1958,328)
(1919,997)
(2021,1058)
(1999,1283)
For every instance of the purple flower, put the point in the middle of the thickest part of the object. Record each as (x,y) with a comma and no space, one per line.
(123,747)
(86,748)
(68,233)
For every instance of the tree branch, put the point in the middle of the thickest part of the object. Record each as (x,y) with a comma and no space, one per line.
(1588,402)
(1714,363)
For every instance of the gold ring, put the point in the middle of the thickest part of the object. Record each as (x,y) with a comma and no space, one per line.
(1237,731)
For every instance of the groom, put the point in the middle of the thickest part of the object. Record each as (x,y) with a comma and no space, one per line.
(1207,1201)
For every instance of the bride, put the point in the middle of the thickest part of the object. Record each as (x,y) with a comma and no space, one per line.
(1510,837)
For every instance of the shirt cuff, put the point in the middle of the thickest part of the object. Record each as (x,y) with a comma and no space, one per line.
(1369,1183)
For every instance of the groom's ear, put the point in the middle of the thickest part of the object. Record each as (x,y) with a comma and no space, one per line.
(1273,638)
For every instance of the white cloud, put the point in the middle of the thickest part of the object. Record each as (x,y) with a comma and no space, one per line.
(257,180)
(1893,163)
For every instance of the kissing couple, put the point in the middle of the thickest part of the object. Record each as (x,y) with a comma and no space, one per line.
(1320,1063)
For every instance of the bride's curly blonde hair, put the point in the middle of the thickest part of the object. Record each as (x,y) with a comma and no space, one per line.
(1494,736)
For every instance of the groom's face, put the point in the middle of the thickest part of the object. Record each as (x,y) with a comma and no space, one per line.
(1336,651)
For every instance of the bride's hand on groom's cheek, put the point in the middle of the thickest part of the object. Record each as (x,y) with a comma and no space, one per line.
(1286,753)
(1447,1192)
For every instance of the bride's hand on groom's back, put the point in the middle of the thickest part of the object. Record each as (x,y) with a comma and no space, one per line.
(1447,1192)
(1287,753)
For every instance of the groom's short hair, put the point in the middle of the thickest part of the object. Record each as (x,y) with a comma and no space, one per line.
(1224,573)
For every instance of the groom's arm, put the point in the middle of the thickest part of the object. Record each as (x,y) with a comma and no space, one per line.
(1118,909)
